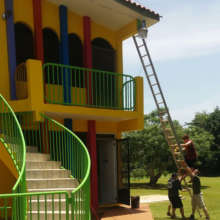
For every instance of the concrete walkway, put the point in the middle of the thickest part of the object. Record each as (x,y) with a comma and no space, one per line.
(124,212)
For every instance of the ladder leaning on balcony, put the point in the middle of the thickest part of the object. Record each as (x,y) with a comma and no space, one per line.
(164,115)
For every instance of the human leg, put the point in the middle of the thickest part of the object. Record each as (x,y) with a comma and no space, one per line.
(173,212)
(206,213)
(182,212)
(169,209)
(194,204)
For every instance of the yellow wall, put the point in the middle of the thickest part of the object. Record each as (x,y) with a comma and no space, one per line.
(23,12)
(8,171)
(50,16)
(4,82)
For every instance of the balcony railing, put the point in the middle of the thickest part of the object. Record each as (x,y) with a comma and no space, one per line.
(70,85)
(21,81)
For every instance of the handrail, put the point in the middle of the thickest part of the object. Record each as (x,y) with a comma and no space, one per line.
(78,86)
(10,131)
(74,162)
(14,142)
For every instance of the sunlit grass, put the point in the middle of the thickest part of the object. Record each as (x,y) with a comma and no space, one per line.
(210,189)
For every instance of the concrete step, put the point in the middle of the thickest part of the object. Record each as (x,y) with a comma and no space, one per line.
(50,196)
(47,173)
(56,204)
(42,165)
(57,215)
(51,203)
(37,157)
(51,183)
(32,149)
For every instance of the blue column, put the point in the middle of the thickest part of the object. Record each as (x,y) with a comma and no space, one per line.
(11,46)
(64,53)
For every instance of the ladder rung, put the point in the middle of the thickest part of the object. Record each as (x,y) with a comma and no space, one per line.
(141,45)
(148,66)
(154,84)
(170,137)
(164,121)
(174,145)
(162,113)
(150,75)
(144,55)
(157,93)
(160,103)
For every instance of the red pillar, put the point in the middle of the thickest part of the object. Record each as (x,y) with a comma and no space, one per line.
(91,142)
(91,135)
(38,34)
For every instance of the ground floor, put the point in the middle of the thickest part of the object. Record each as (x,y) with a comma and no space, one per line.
(124,212)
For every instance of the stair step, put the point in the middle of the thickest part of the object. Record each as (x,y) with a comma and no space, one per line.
(56,204)
(32,149)
(43,165)
(52,190)
(47,173)
(37,157)
(56,215)
(52,183)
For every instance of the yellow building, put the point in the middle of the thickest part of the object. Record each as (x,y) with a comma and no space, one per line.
(64,59)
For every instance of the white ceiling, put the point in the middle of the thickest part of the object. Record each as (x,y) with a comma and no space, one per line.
(108,13)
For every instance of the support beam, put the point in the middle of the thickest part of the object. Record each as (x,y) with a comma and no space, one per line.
(38,34)
(11,46)
(64,50)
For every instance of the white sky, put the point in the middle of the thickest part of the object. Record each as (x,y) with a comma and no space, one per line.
(185,48)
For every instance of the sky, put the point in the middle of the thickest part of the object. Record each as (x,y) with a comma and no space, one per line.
(185,49)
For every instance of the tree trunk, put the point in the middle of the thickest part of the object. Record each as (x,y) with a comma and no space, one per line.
(154,179)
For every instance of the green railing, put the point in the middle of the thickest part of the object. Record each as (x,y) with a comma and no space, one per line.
(21,81)
(70,85)
(49,136)
(66,147)
(12,139)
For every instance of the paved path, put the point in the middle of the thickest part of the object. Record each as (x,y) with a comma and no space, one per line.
(153,198)
(124,212)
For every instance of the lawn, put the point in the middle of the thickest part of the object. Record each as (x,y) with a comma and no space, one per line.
(210,189)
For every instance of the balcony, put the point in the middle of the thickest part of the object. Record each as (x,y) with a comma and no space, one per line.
(70,85)
(62,91)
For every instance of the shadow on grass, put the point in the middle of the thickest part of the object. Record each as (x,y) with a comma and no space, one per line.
(148,186)
(166,218)
(157,186)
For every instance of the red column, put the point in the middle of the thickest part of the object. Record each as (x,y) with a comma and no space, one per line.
(38,34)
(91,143)
(91,135)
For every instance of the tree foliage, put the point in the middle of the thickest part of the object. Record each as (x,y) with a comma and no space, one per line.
(150,154)
(150,150)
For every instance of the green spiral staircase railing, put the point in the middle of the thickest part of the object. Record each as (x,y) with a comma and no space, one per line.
(12,139)
(48,136)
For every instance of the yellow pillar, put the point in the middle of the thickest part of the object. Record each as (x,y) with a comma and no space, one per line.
(35,85)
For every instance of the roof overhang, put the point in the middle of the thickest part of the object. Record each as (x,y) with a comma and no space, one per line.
(113,14)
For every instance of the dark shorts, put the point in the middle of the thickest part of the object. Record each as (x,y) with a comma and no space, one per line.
(191,163)
(176,202)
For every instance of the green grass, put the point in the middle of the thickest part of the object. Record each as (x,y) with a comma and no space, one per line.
(210,189)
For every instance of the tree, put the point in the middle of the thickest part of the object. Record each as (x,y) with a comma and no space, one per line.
(150,150)
(203,141)
(213,126)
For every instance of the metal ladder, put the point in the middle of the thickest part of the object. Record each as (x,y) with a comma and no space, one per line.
(164,115)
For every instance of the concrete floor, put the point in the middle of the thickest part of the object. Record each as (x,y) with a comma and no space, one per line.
(124,212)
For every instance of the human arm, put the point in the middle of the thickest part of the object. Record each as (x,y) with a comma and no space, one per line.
(185,145)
